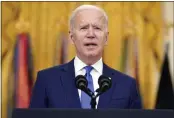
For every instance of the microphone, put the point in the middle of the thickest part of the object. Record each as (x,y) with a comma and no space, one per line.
(82,84)
(105,84)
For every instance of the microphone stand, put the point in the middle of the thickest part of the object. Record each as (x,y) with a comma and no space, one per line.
(93,98)
(93,101)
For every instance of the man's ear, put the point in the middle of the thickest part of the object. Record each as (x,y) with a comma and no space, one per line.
(71,37)
(106,39)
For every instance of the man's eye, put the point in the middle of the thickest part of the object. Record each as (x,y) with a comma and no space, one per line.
(97,28)
(84,28)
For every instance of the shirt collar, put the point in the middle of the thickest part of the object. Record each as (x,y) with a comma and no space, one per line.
(78,64)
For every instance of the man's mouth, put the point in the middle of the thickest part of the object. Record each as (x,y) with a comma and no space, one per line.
(90,44)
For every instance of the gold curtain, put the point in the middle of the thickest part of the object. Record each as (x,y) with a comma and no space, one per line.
(48,20)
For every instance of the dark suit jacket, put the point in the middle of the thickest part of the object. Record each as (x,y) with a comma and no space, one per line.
(55,88)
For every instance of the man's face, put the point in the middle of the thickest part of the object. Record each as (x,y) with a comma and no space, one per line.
(89,34)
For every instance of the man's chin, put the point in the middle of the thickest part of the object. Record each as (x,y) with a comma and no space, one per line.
(89,55)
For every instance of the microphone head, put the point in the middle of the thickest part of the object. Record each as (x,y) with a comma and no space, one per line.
(81,82)
(105,83)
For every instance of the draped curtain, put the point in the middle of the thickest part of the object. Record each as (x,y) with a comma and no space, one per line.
(140,22)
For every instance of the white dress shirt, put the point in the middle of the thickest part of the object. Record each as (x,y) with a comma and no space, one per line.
(95,72)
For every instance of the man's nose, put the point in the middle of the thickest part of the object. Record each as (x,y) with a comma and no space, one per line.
(91,33)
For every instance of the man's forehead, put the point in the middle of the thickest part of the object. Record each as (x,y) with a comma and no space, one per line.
(86,22)
(87,19)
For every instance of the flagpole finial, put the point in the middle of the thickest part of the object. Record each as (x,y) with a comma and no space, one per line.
(22,25)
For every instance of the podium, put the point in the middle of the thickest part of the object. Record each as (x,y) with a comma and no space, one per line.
(86,113)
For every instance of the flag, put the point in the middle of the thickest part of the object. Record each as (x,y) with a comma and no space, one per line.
(165,94)
(129,56)
(22,71)
(124,57)
(136,60)
(64,49)
(61,49)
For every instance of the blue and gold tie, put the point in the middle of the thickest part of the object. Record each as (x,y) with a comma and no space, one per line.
(85,99)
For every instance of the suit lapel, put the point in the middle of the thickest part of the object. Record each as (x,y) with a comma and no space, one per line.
(105,97)
(71,92)
(68,83)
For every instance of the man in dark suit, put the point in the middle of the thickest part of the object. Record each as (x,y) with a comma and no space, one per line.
(55,86)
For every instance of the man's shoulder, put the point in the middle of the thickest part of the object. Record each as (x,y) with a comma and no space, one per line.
(120,75)
(52,69)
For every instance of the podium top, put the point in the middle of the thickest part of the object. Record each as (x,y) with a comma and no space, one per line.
(86,113)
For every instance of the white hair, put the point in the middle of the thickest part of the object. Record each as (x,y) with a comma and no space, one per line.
(84,7)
